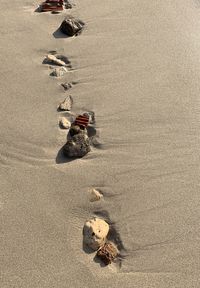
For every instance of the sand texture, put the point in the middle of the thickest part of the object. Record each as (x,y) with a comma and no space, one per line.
(137,66)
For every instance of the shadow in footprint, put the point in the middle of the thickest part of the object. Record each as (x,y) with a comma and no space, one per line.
(61,158)
(63,58)
(91,131)
(66,113)
(58,34)
(87,249)
(92,134)
(97,260)
(113,234)
(38,9)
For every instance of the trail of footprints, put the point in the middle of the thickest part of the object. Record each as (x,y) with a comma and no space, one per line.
(99,233)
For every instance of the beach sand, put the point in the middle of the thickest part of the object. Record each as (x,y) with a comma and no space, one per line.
(137,64)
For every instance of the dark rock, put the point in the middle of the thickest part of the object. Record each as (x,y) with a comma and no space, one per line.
(78,146)
(91,116)
(75,129)
(66,86)
(68,5)
(71,26)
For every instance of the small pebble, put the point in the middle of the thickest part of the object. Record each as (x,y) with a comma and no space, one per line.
(66,86)
(91,116)
(66,105)
(75,129)
(58,72)
(95,195)
(65,123)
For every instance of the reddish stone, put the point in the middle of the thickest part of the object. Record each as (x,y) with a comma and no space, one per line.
(49,5)
(82,121)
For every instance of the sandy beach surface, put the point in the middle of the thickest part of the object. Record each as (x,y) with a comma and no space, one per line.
(137,64)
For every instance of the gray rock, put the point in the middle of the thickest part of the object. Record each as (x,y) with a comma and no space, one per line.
(75,129)
(66,105)
(68,5)
(78,146)
(71,26)
(91,116)
(66,86)
(58,72)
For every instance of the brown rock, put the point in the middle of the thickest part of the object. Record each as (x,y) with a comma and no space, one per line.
(107,253)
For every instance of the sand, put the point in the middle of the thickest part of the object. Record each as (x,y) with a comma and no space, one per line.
(137,66)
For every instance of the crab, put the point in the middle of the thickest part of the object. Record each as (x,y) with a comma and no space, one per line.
(107,253)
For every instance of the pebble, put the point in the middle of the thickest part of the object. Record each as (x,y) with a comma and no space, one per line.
(68,5)
(107,253)
(71,26)
(66,86)
(95,195)
(58,72)
(66,105)
(95,232)
(65,123)
(75,129)
(78,146)
(91,116)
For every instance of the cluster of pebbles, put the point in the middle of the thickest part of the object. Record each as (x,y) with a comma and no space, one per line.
(95,230)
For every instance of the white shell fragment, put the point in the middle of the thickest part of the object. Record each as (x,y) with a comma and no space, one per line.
(95,232)
(95,195)
(54,60)
(65,123)
(66,105)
